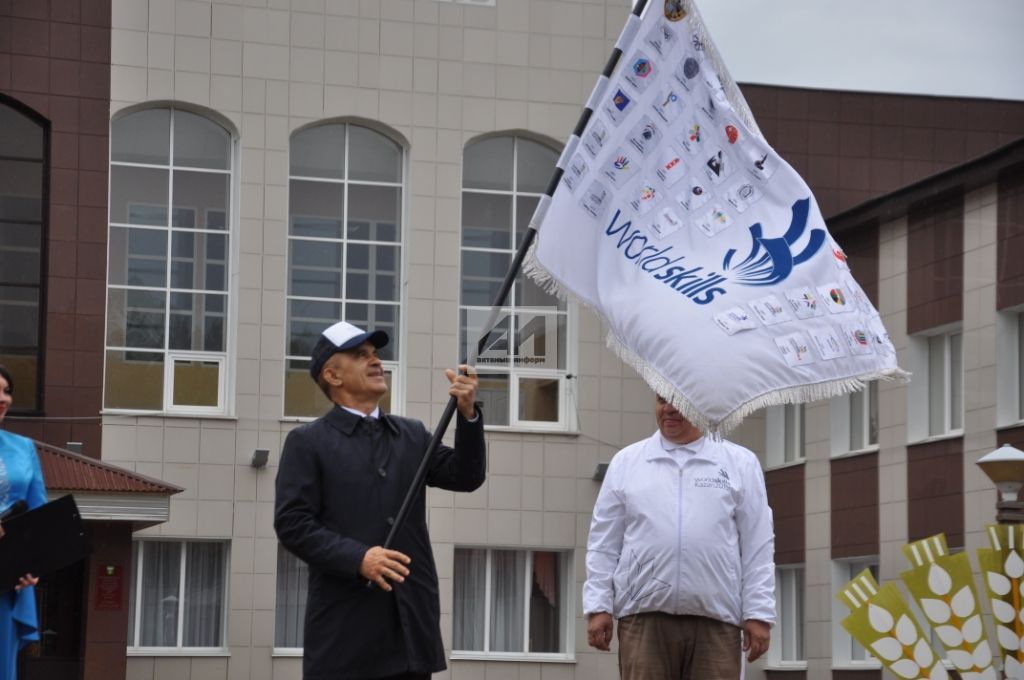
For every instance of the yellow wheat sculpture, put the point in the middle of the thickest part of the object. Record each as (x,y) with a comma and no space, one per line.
(943,587)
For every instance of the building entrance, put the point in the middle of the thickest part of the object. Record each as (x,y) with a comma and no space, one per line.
(58,654)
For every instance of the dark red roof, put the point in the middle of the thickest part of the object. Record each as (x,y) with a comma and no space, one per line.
(69,471)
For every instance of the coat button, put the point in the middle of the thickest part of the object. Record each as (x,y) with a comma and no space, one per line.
(391,521)
(382,472)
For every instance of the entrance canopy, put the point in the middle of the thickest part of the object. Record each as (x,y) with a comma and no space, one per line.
(103,491)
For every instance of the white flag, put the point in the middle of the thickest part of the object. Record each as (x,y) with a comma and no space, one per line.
(702,250)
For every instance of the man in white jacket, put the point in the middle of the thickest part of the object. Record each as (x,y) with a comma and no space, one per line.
(681,552)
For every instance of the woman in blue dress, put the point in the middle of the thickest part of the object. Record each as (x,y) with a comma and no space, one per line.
(21,478)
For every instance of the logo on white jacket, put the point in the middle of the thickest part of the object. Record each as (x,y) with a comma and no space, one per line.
(719,482)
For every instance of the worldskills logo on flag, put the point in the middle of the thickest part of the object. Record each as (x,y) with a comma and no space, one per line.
(771,260)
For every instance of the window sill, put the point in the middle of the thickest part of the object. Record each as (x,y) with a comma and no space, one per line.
(1010,426)
(526,429)
(286,652)
(166,414)
(955,434)
(786,666)
(180,651)
(513,656)
(859,452)
(501,429)
(296,652)
(783,466)
(856,665)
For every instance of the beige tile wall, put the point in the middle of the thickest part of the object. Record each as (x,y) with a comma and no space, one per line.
(980,354)
(892,402)
(436,75)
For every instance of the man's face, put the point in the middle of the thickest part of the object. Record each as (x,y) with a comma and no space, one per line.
(357,373)
(674,427)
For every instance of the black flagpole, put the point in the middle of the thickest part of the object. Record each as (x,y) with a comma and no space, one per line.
(499,301)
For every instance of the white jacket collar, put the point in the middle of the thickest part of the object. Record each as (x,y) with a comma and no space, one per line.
(659,447)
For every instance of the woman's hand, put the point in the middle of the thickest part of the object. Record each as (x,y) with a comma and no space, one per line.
(26,580)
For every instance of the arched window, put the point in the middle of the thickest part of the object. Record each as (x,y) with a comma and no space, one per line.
(168,262)
(524,368)
(24,175)
(344,248)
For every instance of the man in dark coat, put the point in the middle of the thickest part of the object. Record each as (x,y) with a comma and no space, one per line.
(340,483)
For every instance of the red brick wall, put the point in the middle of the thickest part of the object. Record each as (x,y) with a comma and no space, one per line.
(935,491)
(861,247)
(106,630)
(853,146)
(786,497)
(1010,229)
(55,59)
(1014,436)
(785,675)
(854,513)
(935,263)
(857,675)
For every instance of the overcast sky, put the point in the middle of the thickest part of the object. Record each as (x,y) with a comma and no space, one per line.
(972,48)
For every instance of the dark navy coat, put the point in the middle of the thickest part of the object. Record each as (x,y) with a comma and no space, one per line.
(339,484)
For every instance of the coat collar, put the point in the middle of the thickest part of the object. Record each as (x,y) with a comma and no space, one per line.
(346,422)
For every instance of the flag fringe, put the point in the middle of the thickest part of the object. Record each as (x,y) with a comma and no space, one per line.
(788,395)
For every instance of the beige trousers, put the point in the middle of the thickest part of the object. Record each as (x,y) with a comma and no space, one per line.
(657,646)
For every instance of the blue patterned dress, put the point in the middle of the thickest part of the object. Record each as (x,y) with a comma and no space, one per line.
(20,478)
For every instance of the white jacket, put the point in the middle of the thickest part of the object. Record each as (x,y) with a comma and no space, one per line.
(682,530)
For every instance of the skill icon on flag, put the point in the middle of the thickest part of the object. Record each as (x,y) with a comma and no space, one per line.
(619,106)
(594,140)
(669,103)
(661,38)
(641,72)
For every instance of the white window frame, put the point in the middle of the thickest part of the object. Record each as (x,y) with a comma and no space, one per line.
(920,390)
(567,421)
(395,367)
(226,358)
(568,609)
(1010,366)
(176,355)
(135,591)
(843,570)
(776,452)
(777,656)
(842,425)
